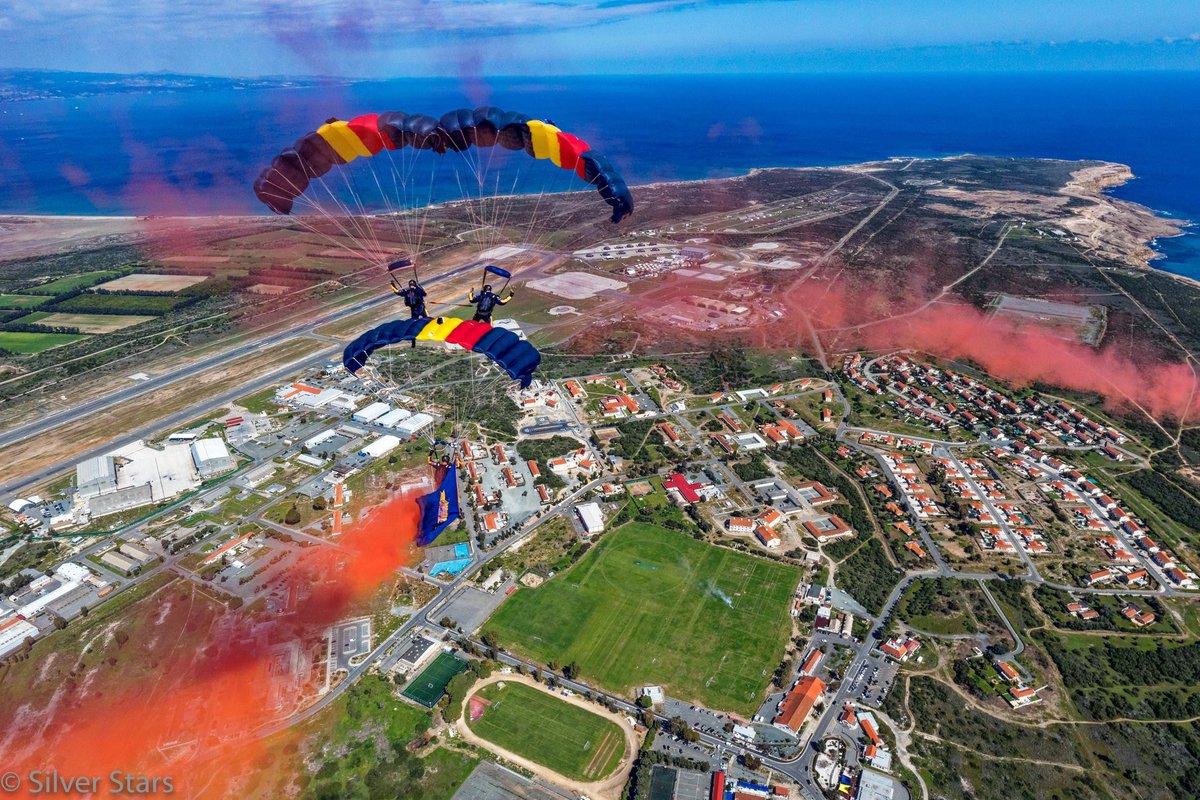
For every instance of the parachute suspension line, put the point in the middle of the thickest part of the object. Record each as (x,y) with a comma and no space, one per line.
(363,252)
(315,205)
(335,222)
(360,229)
(485,221)
(400,209)
(362,221)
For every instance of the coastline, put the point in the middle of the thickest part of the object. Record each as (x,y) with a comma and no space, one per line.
(1116,228)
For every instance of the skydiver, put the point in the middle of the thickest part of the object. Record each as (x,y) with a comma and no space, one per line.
(442,467)
(413,297)
(486,302)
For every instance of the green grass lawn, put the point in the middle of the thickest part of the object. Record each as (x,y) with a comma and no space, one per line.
(262,402)
(652,606)
(20,301)
(72,282)
(570,740)
(18,342)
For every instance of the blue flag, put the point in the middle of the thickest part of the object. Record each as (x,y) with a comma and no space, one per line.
(439,509)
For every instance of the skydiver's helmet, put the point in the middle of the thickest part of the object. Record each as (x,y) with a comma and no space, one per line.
(487,287)
(412,284)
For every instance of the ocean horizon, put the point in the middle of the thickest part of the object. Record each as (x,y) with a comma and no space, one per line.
(197,151)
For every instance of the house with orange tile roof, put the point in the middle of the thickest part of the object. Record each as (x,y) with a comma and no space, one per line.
(740,525)
(799,703)
(768,537)
(771,518)
(1007,671)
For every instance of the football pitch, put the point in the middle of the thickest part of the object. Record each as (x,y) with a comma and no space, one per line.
(428,687)
(568,739)
(653,606)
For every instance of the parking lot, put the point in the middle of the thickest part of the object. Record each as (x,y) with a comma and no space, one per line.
(347,641)
(873,680)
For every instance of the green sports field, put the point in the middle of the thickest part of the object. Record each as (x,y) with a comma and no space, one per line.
(428,687)
(20,342)
(568,739)
(653,606)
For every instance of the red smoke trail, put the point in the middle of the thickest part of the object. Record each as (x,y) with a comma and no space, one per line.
(905,315)
(187,691)
(1022,355)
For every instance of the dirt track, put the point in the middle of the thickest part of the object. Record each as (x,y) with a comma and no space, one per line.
(609,788)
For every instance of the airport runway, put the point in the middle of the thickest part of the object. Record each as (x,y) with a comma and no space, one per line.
(101,405)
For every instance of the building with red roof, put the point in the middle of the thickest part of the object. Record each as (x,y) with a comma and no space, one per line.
(687,491)
(799,703)
(767,536)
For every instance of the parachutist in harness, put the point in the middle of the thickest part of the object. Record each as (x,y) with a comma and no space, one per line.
(486,302)
(414,298)
(442,466)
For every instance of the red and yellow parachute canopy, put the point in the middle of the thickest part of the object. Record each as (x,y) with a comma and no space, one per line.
(341,141)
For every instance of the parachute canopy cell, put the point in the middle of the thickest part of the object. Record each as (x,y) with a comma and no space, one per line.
(341,141)
(510,352)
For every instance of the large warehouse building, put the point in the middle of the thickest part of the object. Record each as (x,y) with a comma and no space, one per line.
(211,457)
(590,517)
(413,425)
(381,446)
(96,476)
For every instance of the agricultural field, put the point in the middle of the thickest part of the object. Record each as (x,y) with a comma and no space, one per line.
(20,301)
(85,323)
(146,282)
(121,303)
(650,605)
(21,342)
(570,740)
(70,283)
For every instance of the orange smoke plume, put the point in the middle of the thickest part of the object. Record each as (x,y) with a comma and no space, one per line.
(190,700)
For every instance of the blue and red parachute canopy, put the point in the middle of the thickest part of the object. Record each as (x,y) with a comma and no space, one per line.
(510,352)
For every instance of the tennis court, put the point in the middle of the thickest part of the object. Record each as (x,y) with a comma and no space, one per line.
(428,687)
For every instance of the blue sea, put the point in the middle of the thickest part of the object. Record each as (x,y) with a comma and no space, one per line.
(198,151)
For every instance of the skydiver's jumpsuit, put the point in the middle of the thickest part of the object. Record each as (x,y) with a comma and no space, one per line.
(414,298)
(442,468)
(485,304)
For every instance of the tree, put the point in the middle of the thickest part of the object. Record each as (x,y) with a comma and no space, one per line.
(293,516)
(570,671)
(644,701)
(752,762)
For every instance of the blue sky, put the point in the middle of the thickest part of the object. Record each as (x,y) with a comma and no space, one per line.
(385,38)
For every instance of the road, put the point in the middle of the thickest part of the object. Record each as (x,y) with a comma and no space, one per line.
(420,619)
(111,401)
